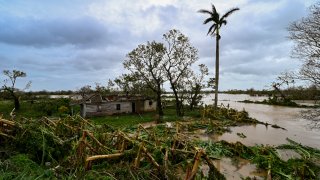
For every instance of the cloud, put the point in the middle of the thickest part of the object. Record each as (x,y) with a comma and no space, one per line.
(64,45)
(254,44)
(82,31)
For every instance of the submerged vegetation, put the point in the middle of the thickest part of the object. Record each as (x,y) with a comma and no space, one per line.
(288,103)
(73,147)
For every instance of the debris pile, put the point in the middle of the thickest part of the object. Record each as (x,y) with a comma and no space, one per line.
(73,147)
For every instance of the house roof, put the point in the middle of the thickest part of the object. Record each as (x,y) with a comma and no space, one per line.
(98,98)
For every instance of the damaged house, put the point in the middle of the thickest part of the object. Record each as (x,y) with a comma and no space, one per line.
(97,105)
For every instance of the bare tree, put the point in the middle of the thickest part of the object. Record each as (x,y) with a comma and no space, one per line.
(10,85)
(178,58)
(306,35)
(100,89)
(310,72)
(84,91)
(285,78)
(145,63)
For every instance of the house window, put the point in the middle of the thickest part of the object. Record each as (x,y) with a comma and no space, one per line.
(150,103)
(118,107)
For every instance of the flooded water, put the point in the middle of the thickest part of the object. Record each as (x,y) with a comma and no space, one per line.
(238,170)
(289,118)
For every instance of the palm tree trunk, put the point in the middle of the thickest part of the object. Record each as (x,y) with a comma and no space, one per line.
(217,70)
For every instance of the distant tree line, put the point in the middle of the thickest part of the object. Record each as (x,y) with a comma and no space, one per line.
(293,92)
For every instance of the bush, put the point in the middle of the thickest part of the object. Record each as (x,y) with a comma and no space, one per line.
(22,167)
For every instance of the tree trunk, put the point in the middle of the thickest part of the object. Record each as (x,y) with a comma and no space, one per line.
(193,101)
(16,103)
(191,105)
(217,70)
(280,92)
(159,105)
(178,105)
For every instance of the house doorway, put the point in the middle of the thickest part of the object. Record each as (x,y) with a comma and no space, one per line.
(133,107)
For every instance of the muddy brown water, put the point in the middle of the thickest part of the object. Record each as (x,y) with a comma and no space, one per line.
(298,129)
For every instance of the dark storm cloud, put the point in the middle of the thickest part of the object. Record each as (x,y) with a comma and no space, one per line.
(82,32)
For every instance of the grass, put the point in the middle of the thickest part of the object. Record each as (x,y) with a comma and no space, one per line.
(123,120)
(22,167)
(35,109)
(50,108)
(128,120)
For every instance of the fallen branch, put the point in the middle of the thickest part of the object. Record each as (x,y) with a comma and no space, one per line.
(108,156)
(6,135)
(197,159)
(11,123)
(97,141)
(96,157)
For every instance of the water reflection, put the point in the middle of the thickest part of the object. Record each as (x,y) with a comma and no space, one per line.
(287,117)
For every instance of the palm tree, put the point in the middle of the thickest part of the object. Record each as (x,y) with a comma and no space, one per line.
(214,30)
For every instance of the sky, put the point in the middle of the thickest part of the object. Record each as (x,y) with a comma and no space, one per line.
(64,45)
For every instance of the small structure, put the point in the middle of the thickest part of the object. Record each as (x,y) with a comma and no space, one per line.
(96,105)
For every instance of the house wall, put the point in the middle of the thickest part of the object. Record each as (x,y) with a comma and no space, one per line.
(139,106)
(108,108)
(148,107)
(125,107)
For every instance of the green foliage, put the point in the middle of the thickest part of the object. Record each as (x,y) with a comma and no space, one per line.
(266,157)
(227,114)
(285,102)
(215,150)
(294,93)
(274,101)
(35,109)
(38,140)
(63,110)
(130,120)
(22,167)
(123,120)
